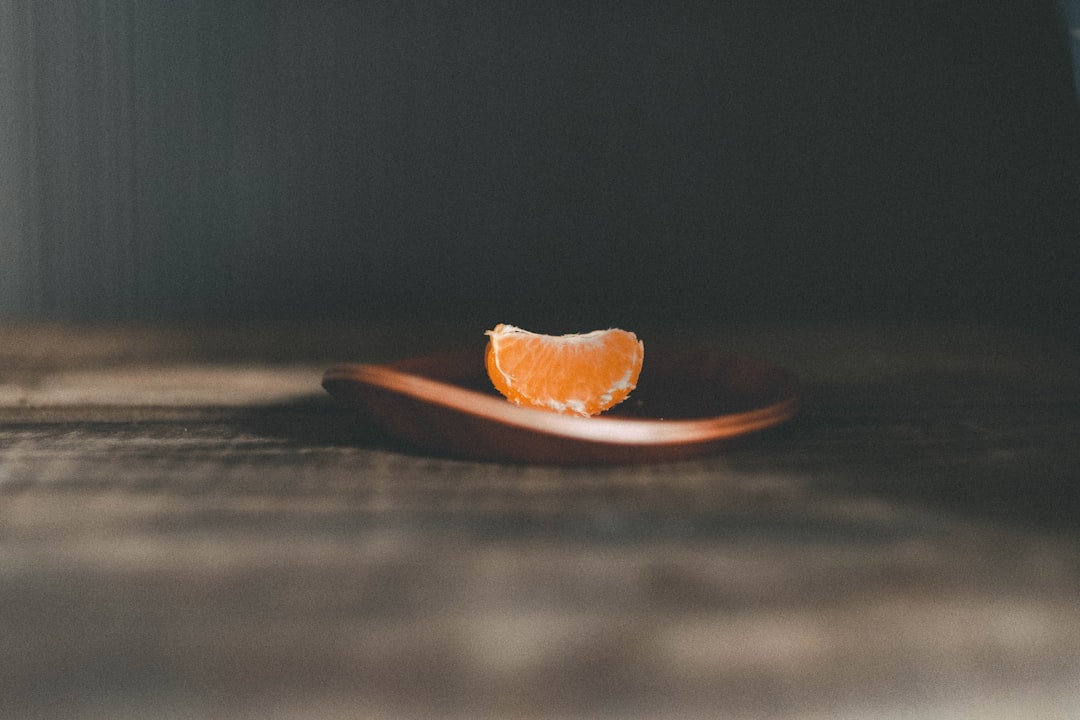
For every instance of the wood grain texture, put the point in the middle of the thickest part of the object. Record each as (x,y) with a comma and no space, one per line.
(908,547)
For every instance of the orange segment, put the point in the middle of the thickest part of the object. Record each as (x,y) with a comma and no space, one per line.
(583,373)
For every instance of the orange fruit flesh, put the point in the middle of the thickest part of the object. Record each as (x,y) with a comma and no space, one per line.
(583,374)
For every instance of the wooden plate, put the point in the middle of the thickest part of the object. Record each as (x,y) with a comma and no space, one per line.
(685,404)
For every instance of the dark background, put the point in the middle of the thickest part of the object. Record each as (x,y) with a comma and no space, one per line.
(563,163)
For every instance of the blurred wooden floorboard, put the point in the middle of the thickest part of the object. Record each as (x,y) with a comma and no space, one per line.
(907,548)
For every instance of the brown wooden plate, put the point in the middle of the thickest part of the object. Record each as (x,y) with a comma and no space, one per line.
(686,404)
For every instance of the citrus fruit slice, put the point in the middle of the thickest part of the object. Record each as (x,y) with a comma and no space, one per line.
(583,373)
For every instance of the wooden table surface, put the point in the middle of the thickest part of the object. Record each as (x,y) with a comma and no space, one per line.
(191,528)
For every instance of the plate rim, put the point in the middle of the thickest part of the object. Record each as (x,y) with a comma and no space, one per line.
(405,378)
